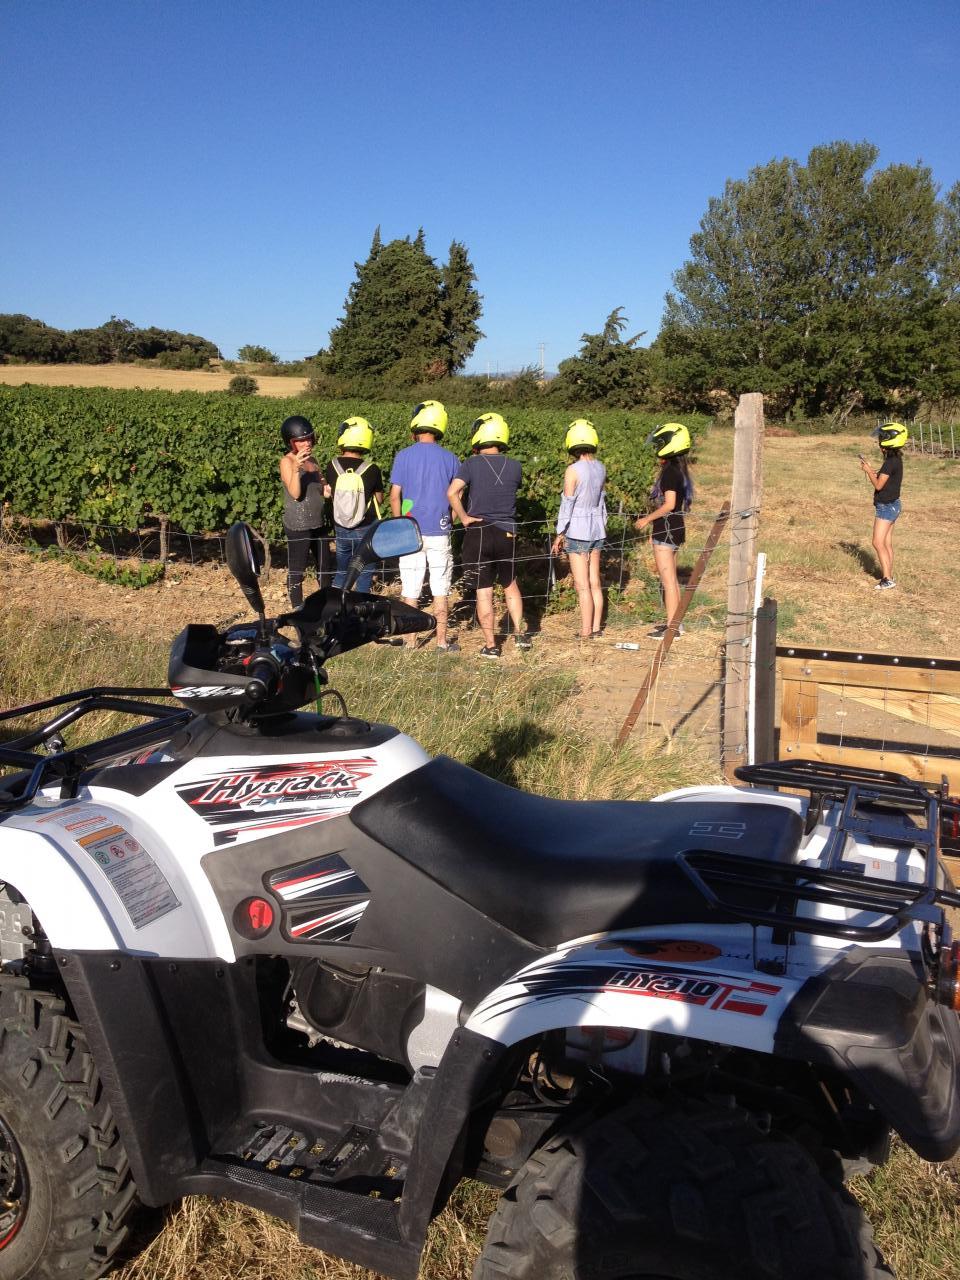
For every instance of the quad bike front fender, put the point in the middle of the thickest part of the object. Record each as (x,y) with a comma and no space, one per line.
(97,879)
(56,892)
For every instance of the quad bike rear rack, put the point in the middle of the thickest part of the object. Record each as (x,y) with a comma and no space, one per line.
(59,764)
(878,807)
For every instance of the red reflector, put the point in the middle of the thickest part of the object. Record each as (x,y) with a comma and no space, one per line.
(259,913)
(253,917)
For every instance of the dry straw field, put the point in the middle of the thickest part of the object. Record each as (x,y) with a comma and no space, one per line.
(131,377)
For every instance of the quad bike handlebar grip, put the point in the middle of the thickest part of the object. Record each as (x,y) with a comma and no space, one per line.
(262,681)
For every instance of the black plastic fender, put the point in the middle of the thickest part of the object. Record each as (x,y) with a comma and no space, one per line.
(870,1017)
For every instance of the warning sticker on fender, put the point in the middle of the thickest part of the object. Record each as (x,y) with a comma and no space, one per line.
(134,876)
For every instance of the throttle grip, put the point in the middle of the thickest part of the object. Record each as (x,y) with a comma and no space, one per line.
(262,682)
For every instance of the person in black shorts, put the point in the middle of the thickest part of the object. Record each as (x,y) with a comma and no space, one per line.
(491,480)
(886,496)
(671,495)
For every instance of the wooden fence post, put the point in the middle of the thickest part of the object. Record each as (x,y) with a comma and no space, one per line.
(744,524)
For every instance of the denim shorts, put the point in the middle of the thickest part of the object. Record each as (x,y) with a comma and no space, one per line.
(583,546)
(887,510)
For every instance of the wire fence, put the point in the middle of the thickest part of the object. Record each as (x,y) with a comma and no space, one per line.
(935,438)
(541,574)
(938,439)
(686,702)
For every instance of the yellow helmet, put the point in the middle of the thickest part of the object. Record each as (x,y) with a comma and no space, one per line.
(355,433)
(581,434)
(429,415)
(489,428)
(892,435)
(670,439)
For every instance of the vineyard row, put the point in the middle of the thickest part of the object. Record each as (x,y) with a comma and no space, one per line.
(202,460)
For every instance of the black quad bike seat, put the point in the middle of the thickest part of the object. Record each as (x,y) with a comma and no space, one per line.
(553,870)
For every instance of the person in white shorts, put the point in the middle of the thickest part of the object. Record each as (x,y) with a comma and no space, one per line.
(419,479)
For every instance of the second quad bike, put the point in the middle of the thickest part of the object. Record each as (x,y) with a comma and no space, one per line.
(286,958)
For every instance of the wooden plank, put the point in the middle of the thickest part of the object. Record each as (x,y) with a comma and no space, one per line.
(930,711)
(745,501)
(798,716)
(926,768)
(828,672)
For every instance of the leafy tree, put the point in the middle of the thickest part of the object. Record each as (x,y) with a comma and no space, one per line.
(23,338)
(404,319)
(256,355)
(816,284)
(609,369)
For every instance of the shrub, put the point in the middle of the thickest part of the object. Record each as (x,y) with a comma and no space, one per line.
(241,384)
(184,358)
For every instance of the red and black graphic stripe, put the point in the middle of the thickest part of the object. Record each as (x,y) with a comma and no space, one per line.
(728,993)
(321,900)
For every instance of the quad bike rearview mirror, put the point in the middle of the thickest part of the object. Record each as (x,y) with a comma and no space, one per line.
(245,560)
(396,536)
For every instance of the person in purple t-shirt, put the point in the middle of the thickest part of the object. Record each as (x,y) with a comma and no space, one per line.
(419,480)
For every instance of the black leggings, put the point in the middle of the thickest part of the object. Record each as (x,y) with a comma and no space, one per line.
(302,546)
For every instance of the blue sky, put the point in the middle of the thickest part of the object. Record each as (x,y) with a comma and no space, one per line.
(218,166)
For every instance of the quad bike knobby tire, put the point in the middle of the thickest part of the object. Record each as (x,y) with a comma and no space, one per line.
(65,1186)
(675,1191)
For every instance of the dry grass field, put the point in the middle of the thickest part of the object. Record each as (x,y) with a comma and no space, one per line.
(130,377)
(546,724)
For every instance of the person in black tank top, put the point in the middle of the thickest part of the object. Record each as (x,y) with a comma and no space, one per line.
(671,494)
(304,514)
(892,437)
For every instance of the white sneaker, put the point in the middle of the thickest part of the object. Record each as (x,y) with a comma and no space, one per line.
(885,584)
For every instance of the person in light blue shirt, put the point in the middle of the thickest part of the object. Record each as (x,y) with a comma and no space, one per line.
(582,523)
(419,480)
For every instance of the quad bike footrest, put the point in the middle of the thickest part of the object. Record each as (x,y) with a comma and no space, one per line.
(361,1226)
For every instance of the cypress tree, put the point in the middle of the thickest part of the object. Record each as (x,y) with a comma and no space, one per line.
(461,307)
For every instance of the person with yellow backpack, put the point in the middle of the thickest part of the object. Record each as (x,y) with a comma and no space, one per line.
(354,486)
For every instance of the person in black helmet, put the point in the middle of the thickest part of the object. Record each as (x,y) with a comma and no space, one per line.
(304,511)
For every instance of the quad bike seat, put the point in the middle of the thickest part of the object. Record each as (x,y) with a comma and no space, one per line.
(553,870)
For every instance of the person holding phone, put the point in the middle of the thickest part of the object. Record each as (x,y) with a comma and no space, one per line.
(304,511)
(887,482)
(670,497)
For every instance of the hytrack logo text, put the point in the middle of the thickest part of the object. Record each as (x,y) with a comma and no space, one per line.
(264,789)
(715,992)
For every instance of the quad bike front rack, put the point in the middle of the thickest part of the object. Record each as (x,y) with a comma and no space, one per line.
(878,807)
(59,764)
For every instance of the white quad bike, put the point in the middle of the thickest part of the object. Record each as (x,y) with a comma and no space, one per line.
(288,959)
